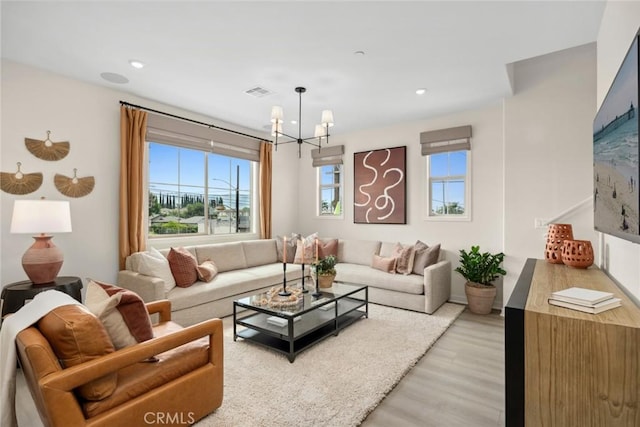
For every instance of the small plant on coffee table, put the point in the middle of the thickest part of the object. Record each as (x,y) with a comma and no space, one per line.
(324,272)
(326,266)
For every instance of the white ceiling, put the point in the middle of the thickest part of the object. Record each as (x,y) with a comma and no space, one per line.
(202,56)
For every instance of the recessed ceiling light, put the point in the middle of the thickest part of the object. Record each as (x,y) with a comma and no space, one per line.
(136,64)
(294,122)
(114,78)
(359,53)
(421,91)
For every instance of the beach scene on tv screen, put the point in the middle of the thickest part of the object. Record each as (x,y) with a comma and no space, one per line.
(615,153)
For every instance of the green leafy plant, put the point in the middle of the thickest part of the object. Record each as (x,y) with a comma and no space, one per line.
(479,267)
(326,266)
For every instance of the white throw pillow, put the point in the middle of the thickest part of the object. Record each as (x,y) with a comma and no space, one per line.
(153,263)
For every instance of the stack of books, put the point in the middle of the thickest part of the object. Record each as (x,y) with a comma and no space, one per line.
(587,300)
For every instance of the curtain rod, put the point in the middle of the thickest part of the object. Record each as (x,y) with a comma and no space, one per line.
(191,120)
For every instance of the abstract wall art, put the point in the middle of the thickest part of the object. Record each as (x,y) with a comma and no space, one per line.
(380,186)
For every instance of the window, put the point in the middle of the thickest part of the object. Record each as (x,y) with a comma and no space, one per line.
(194,192)
(330,190)
(448,186)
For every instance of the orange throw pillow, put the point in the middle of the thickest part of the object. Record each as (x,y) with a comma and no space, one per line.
(184,267)
(77,336)
(387,265)
(327,247)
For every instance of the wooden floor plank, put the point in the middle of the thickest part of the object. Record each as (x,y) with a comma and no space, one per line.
(459,382)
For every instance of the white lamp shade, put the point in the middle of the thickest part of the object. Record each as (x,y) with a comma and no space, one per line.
(41,216)
(327,118)
(320,132)
(276,114)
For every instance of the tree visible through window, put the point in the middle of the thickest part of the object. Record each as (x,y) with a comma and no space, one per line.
(447,191)
(197,192)
(330,190)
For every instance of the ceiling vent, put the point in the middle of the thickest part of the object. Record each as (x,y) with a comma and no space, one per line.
(258,92)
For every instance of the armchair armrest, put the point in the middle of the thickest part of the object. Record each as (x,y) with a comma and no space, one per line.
(68,379)
(437,285)
(162,307)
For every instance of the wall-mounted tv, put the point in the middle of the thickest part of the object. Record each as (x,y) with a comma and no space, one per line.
(616,171)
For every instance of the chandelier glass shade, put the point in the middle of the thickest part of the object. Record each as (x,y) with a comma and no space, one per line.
(321,130)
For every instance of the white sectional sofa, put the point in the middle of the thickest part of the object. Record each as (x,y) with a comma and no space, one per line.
(415,292)
(249,267)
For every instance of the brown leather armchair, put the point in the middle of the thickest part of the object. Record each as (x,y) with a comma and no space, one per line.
(183,384)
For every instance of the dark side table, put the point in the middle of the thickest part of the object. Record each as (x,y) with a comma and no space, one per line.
(16,294)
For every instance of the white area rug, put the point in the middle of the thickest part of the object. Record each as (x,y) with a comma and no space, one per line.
(335,383)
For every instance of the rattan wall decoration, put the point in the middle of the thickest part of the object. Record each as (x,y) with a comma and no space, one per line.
(20,183)
(47,149)
(74,187)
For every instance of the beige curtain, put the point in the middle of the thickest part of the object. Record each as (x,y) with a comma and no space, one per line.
(266,150)
(133,126)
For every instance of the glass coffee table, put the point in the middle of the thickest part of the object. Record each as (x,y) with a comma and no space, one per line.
(291,325)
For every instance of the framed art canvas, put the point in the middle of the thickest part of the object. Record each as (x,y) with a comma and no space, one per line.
(616,169)
(380,186)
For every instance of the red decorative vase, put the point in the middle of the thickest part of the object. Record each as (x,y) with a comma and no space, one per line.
(556,235)
(577,253)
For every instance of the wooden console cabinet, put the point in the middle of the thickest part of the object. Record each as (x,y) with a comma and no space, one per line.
(565,367)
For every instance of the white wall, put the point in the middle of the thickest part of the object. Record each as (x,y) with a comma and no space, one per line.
(524,150)
(531,158)
(548,151)
(485,229)
(88,116)
(619,25)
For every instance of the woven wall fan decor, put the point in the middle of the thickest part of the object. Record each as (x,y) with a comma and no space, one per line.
(47,149)
(20,183)
(74,187)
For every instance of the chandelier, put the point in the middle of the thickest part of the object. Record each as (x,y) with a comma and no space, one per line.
(321,130)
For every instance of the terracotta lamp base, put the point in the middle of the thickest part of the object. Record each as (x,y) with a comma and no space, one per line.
(42,261)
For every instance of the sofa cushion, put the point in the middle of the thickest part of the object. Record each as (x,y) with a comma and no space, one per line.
(388,265)
(404,258)
(127,321)
(104,307)
(358,251)
(152,263)
(77,336)
(327,247)
(227,256)
(207,271)
(425,256)
(291,248)
(260,252)
(183,266)
(306,246)
(230,284)
(355,273)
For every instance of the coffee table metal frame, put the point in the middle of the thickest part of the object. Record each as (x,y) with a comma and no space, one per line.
(350,303)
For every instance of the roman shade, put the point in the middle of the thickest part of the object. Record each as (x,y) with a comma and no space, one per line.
(331,155)
(173,131)
(443,140)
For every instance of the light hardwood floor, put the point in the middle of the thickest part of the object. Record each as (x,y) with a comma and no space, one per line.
(459,382)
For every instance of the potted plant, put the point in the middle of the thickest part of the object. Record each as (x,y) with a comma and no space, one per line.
(480,269)
(324,271)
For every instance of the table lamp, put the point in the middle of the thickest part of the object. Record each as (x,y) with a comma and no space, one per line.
(43,260)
